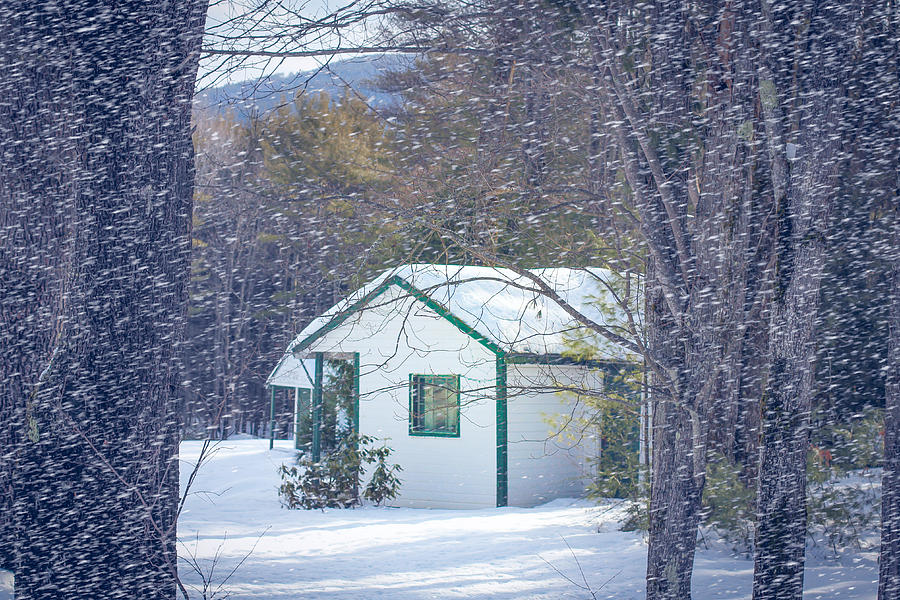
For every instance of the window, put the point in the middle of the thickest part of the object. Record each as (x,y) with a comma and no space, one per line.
(434,405)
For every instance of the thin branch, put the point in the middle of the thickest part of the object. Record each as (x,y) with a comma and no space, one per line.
(410,49)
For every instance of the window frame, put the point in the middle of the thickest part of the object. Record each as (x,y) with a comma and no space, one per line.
(417,380)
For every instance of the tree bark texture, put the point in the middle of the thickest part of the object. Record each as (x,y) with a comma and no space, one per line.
(804,185)
(889,559)
(887,95)
(32,231)
(94,439)
(678,460)
(694,343)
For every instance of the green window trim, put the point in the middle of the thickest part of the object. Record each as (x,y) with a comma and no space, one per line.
(417,410)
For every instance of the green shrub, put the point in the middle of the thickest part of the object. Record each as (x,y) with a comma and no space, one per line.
(839,515)
(729,505)
(617,422)
(853,443)
(384,484)
(617,468)
(637,515)
(334,481)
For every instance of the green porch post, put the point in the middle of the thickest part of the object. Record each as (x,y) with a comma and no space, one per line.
(502,436)
(317,409)
(272,418)
(356,393)
(297,418)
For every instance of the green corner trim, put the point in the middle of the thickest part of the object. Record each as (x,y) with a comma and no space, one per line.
(272,418)
(356,393)
(502,436)
(317,409)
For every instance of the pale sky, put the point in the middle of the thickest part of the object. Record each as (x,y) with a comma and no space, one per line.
(228,18)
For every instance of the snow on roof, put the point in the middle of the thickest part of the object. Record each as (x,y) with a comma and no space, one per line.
(505,307)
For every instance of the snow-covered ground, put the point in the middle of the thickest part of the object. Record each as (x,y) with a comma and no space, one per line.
(235,532)
(371,552)
(6,585)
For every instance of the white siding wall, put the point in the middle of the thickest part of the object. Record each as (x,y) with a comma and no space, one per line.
(398,336)
(544,462)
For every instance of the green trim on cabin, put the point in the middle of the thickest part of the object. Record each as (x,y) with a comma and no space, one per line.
(502,435)
(356,393)
(446,314)
(412,291)
(272,417)
(317,399)
(425,381)
(530,358)
(499,354)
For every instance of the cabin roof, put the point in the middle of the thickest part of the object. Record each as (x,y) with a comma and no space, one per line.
(501,309)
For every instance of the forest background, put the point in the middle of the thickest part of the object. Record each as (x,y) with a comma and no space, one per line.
(742,156)
(753,187)
(298,192)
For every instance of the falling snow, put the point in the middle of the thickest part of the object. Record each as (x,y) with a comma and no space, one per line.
(693,205)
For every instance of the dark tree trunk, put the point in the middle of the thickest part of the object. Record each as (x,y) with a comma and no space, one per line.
(679,464)
(752,379)
(94,475)
(33,213)
(781,527)
(804,183)
(695,346)
(888,72)
(750,261)
(889,559)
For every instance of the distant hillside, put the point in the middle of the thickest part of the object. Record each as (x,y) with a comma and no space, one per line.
(249,97)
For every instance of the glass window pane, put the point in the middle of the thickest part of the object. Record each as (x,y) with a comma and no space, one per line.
(434,404)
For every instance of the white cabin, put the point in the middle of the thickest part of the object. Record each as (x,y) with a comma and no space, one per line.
(458,369)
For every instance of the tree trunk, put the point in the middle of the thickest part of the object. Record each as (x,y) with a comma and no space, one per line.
(781,501)
(696,345)
(676,488)
(804,197)
(95,477)
(753,376)
(680,434)
(889,559)
(33,214)
(888,143)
